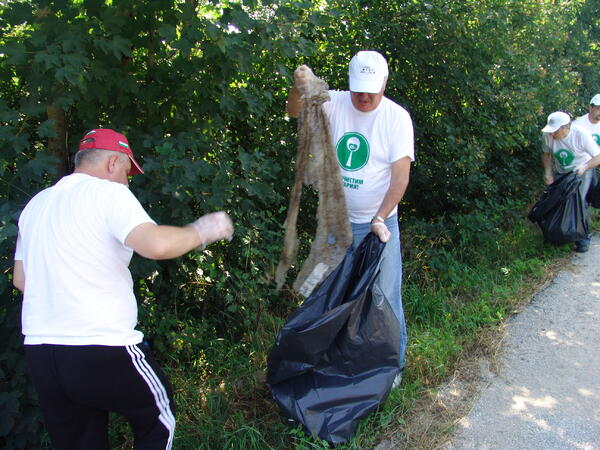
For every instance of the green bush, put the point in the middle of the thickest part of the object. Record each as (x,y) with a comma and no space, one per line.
(199,88)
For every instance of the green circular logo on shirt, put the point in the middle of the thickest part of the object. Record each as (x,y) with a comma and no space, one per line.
(564,157)
(352,151)
(597,138)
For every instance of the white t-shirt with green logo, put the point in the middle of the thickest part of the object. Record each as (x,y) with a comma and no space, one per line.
(366,145)
(571,152)
(593,128)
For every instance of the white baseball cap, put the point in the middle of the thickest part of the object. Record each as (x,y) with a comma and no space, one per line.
(555,121)
(367,72)
(595,100)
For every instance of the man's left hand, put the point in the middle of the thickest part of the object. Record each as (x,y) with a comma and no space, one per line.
(380,230)
(581,170)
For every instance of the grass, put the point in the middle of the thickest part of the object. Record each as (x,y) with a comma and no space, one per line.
(456,298)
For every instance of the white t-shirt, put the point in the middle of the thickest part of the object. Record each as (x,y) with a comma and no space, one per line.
(78,288)
(366,145)
(571,152)
(592,128)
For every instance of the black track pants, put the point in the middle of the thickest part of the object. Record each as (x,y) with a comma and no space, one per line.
(78,385)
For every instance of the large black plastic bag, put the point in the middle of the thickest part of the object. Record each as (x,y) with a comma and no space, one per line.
(560,212)
(335,359)
(593,194)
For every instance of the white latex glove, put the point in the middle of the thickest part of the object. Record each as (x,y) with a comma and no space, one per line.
(548,179)
(380,230)
(303,75)
(213,227)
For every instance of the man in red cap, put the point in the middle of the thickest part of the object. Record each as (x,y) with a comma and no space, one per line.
(84,355)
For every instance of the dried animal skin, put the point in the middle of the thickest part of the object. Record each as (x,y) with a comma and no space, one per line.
(316,165)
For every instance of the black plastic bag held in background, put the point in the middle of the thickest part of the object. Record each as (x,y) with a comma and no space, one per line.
(593,194)
(335,359)
(560,212)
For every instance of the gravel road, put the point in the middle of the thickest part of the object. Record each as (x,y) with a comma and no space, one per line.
(546,394)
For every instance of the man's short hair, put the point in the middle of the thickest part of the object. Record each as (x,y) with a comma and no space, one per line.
(94,156)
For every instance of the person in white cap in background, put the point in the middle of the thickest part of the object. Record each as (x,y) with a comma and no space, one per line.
(591,120)
(567,148)
(374,141)
(84,355)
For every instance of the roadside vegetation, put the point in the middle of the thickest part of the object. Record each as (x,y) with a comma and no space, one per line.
(199,88)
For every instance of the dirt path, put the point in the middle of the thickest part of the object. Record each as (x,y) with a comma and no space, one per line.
(546,392)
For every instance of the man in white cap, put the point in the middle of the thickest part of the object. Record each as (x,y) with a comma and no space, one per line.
(570,149)
(374,141)
(84,355)
(591,120)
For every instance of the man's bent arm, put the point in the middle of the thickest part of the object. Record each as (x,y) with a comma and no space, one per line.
(164,241)
(594,162)
(547,164)
(19,275)
(398,184)
(149,240)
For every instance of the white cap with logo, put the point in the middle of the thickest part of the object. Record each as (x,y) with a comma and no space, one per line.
(595,100)
(555,121)
(367,72)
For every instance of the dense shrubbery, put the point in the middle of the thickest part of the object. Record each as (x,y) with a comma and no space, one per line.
(199,88)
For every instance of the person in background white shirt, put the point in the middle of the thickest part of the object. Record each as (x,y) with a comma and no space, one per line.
(591,120)
(84,355)
(567,148)
(374,141)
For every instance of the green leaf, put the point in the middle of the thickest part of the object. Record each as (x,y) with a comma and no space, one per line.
(221,43)
(32,108)
(17,13)
(8,230)
(46,129)
(167,32)
(43,162)
(47,59)
(16,52)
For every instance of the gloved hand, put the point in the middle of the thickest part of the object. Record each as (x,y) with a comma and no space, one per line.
(549,179)
(213,227)
(380,230)
(303,75)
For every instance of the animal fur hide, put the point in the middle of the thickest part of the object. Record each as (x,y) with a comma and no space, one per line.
(316,165)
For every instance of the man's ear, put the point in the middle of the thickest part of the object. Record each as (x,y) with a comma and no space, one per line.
(111,163)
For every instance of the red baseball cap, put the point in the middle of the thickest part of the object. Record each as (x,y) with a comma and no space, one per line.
(107,139)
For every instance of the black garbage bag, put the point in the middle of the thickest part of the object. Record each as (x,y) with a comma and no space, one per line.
(336,358)
(593,193)
(560,212)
